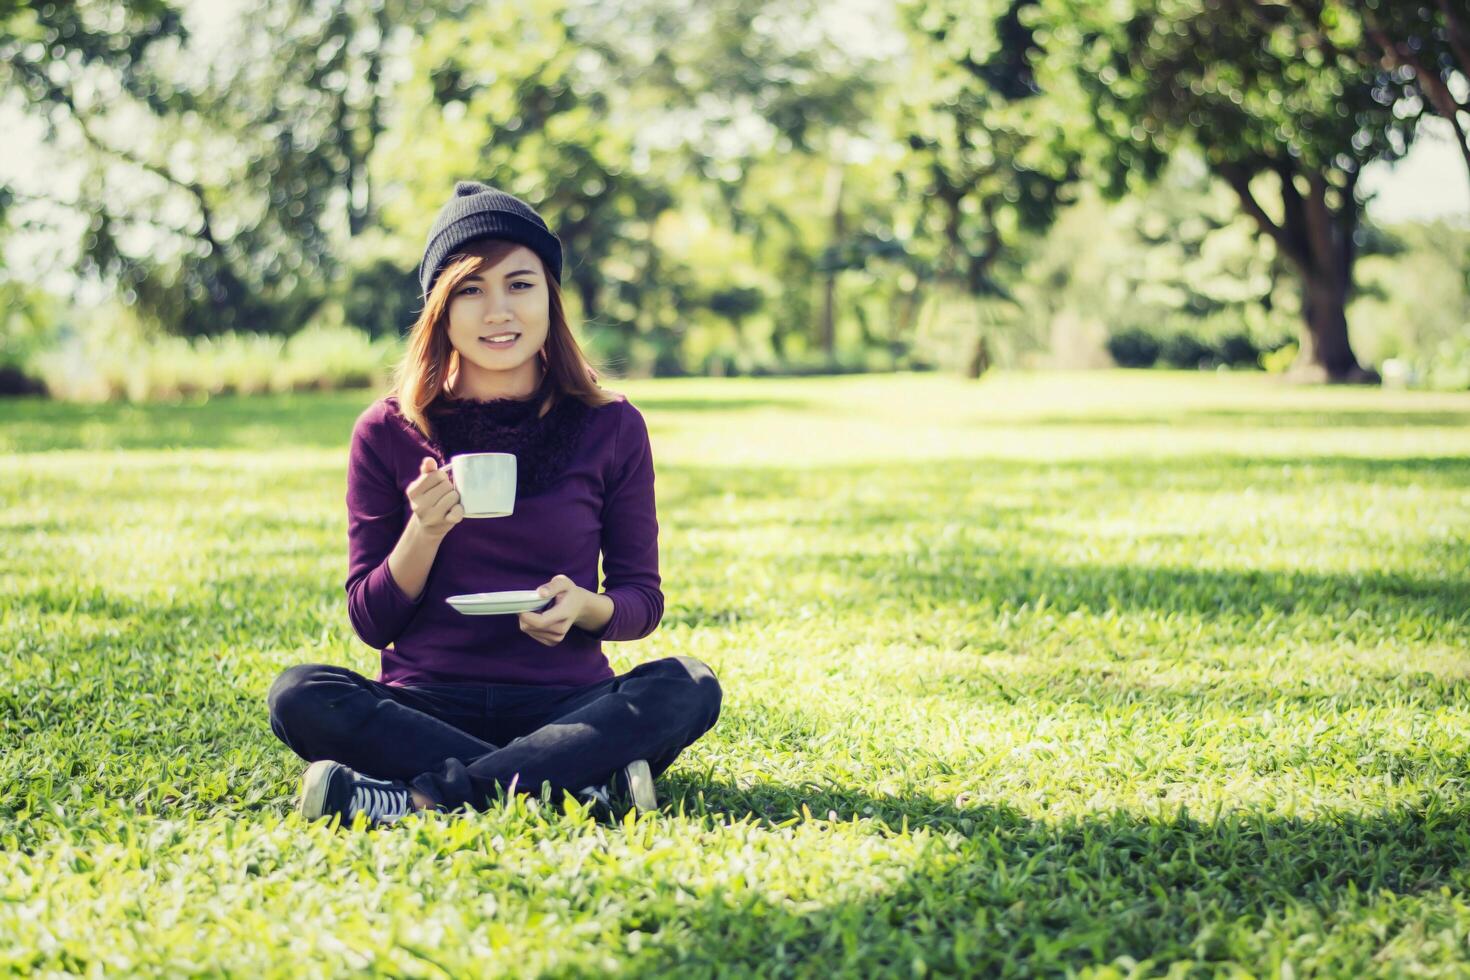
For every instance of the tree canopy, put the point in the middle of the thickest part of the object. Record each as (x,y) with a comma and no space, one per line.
(1272,107)
(733,181)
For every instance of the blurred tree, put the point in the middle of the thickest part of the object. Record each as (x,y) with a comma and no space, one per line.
(989,161)
(380,296)
(1416,296)
(1176,257)
(619,121)
(265,146)
(313,83)
(39,40)
(1267,105)
(777,111)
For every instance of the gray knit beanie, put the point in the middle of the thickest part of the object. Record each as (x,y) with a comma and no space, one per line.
(480,211)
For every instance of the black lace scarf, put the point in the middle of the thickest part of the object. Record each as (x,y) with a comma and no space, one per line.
(542,445)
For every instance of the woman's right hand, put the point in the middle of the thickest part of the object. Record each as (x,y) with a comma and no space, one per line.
(434,499)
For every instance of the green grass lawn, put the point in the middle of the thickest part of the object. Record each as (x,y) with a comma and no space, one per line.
(1115,674)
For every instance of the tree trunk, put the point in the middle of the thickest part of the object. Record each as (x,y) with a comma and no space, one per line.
(979,359)
(1327,277)
(1326,354)
(1316,237)
(908,307)
(827,331)
(827,326)
(778,345)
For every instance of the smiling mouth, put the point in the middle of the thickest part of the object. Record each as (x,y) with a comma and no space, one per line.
(500,339)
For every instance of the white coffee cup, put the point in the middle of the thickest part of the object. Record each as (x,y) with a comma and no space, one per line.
(486,483)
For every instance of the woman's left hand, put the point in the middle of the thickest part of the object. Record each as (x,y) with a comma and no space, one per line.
(551,624)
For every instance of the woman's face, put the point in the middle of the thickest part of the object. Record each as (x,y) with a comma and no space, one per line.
(499,317)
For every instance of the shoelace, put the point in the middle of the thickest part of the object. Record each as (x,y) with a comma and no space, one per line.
(379,803)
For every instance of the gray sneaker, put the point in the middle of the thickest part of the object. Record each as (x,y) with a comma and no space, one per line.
(329,788)
(630,785)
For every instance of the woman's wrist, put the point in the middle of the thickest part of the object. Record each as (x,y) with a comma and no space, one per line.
(417,530)
(411,559)
(597,609)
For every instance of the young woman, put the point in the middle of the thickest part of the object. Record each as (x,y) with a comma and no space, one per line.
(468,706)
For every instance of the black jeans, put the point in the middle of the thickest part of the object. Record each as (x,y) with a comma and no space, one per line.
(456,743)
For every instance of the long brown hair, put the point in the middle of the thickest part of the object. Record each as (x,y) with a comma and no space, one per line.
(430,358)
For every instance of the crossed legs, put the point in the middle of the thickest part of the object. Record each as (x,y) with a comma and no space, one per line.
(438,738)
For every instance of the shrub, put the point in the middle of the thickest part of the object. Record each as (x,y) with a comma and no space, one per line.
(334,357)
(15,381)
(382,297)
(1447,367)
(1192,343)
(113,364)
(1183,350)
(31,322)
(1133,347)
(1279,361)
(1237,350)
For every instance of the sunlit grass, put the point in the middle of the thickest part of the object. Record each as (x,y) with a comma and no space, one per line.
(1040,673)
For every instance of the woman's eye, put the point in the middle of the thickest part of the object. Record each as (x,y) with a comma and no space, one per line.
(521,283)
(466,291)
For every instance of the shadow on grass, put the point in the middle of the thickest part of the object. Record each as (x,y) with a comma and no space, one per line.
(324,420)
(1114,693)
(938,577)
(1006,894)
(986,584)
(940,489)
(995,582)
(933,565)
(222,422)
(319,420)
(1284,418)
(657,404)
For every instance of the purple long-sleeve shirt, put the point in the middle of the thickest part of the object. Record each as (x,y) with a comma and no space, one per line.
(603,501)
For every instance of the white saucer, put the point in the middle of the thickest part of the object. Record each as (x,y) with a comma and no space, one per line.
(499,603)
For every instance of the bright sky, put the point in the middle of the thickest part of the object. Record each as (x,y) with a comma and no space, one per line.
(1431,182)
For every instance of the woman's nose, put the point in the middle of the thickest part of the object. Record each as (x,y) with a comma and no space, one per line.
(497,308)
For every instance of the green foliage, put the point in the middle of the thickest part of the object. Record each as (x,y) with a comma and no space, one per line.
(1418,298)
(1184,350)
(1423,44)
(1172,261)
(1447,364)
(381,295)
(30,323)
(989,159)
(787,166)
(42,41)
(203,241)
(1279,361)
(1257,90)
(1251,86)
(750,186)
(1103,674)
